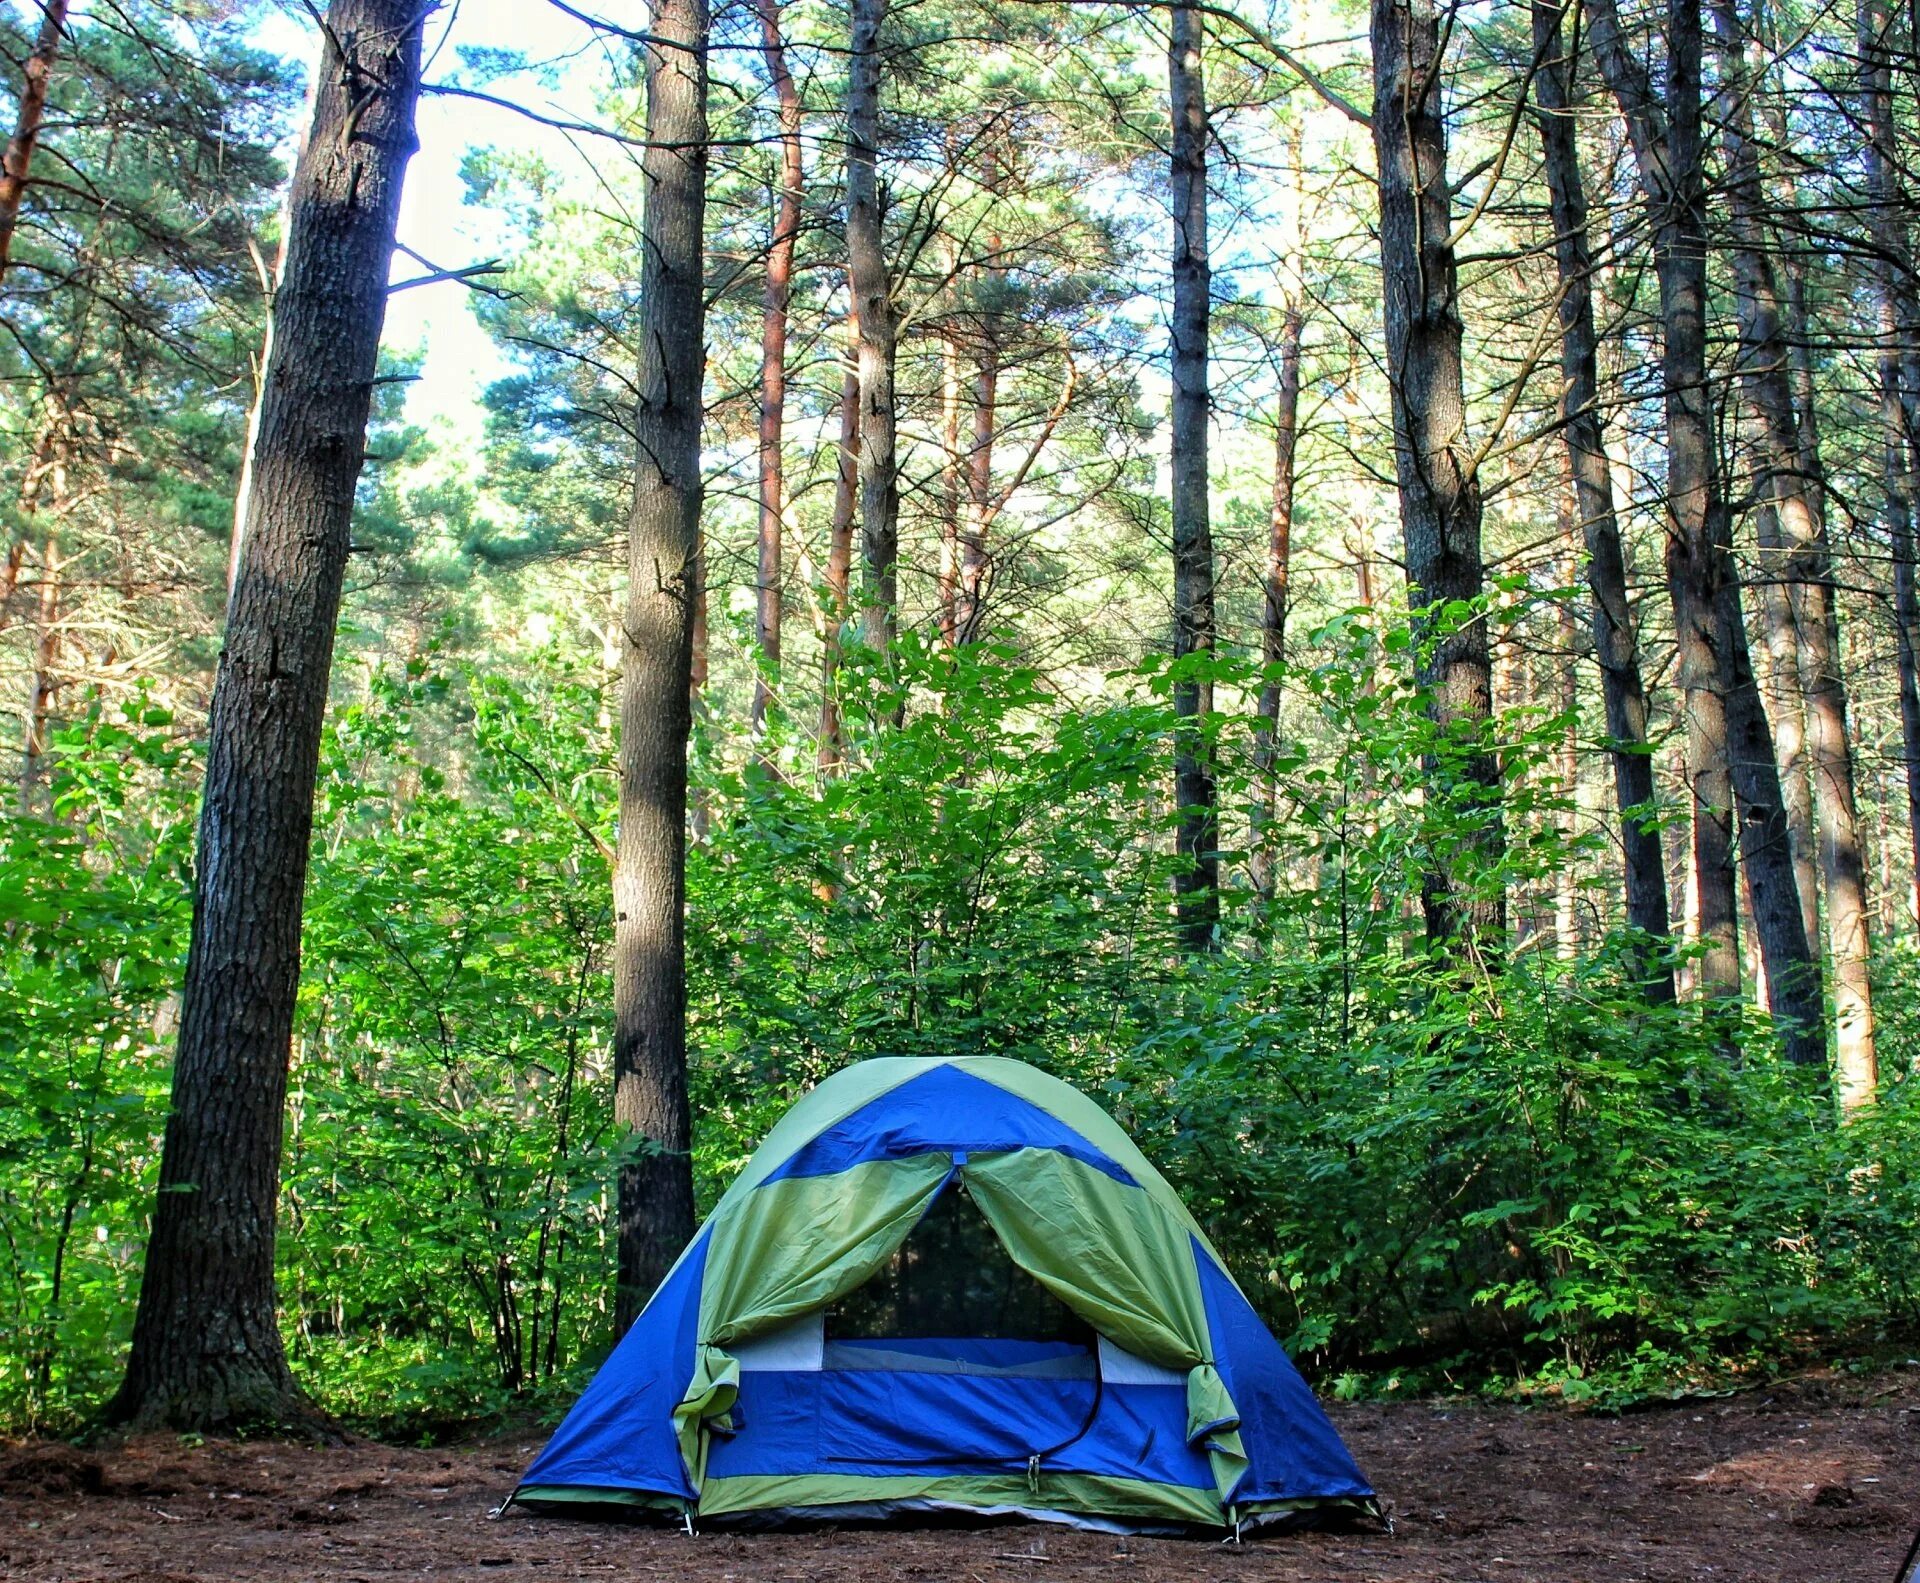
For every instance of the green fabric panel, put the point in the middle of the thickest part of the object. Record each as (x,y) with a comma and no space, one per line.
(1111,1253)
(1068,1104)
(806,1240)
(1087,1493)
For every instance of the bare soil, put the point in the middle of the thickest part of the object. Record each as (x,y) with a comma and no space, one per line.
(1817,1479)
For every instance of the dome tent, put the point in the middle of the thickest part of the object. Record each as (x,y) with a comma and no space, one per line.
(950,1285)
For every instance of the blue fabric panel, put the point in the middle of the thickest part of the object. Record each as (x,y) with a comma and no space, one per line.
(1292,1451)
(876,1423)
(975,1351)
(939,1111)
(620,1433)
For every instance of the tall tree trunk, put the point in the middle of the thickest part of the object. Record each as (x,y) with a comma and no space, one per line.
(48,451)
(1794,475)
(1566,884)
(1899,379)
(1439,495)
(206,1342)
(1903,503)
(1615,644)
(269,276)
(1197,880)
(773,358)
(980,503)
(1780,636)
(1273,612)
(1729,743)
(839,573)
(17,164)
(878,324)
(952,470)
(46,656)
(649,874)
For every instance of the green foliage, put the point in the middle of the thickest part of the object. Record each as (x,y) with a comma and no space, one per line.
(449,1148)
(93,927)
(1529,1179)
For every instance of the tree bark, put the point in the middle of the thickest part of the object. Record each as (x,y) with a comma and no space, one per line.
(981,505)
(1780,636)
(649,875)
(1899,379)
(1439,494)
(1566,883)
(846,493)
(1615,644)
(1794,478)
(952,467)
(46,656)
(1197,879)
(877,323)
(17,164)
(1273,611)
(206,1349)
(773,359)
(1729,743)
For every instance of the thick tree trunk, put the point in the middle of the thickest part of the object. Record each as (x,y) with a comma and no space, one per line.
(1729,743)
(206,1343)
(1197,880)
(1273,612)
(1794,476)
(17,164)
(1439,496)
(1615,644)
(877,321)
(839,592)
(773,359)
(649,875)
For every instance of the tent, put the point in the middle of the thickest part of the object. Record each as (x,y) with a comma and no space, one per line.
(950,1285)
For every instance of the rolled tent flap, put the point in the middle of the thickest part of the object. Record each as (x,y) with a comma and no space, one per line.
(1213,1425)
(709,1398)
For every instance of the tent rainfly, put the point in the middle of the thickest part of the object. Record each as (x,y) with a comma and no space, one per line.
(950,1285)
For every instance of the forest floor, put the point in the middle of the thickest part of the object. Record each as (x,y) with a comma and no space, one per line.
(1809,1480)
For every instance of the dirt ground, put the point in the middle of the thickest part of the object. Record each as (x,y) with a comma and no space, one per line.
(1813,1480)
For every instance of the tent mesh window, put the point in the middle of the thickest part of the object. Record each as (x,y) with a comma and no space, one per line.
(952,1278)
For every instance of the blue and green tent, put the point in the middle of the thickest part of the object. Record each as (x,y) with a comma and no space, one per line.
(950,1285)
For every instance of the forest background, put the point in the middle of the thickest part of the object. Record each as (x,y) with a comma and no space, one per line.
(1339,689)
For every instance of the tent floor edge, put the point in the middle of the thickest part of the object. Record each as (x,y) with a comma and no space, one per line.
(996,1502)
